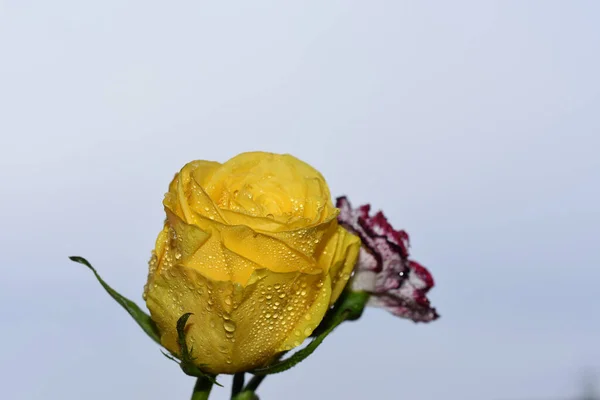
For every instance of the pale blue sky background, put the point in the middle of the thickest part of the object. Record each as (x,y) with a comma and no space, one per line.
(474,125)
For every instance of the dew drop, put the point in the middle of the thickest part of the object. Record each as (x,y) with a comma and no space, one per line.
(229,326)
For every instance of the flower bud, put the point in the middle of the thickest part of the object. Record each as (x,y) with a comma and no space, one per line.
(252,248)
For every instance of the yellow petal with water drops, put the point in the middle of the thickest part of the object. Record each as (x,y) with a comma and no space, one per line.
(267,251)
(340,254)
(236,328)
(304,327)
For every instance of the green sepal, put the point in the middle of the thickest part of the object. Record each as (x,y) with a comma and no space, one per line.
(187,364)
(142,319)
(349,307)
(170,357)
(350,302)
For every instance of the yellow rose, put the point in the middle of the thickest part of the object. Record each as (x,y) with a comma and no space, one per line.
(253,249)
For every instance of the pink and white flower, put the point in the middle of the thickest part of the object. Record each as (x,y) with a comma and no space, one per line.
(383,269)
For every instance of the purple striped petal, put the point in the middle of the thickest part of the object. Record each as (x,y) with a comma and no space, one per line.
(383,269)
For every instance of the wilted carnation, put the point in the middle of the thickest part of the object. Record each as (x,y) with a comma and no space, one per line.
(383,269)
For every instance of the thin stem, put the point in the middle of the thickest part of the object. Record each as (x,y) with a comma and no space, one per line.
(201,389)
(254,382)
(238,384)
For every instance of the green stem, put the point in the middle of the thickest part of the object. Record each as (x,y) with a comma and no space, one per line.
(238,384)
(201,389)
(254,382)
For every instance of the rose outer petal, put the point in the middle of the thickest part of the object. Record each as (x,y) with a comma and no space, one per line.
(235,328)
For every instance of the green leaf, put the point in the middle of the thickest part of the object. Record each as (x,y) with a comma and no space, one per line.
(188,366)
(143,319)
(349,307)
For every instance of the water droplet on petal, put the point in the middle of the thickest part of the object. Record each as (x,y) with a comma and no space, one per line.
(229,326)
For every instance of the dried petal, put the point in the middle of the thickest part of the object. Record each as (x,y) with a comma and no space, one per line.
(383,269)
